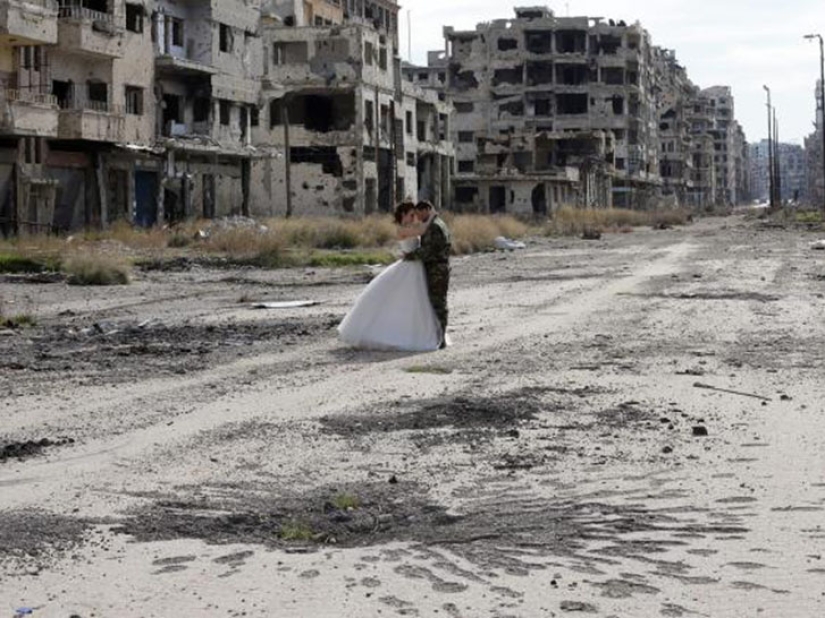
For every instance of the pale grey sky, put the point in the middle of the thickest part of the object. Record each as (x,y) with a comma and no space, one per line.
(724,42)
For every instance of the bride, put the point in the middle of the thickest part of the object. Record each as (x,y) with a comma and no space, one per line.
(394,311)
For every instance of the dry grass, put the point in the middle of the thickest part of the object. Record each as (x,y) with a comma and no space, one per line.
(88,268)
(569,221)
(246,245)
(475,233)
(101,258)
(131,236)
(333,233)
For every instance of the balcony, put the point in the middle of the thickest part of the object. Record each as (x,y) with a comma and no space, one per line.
(29,22)
(169,63)
(28,113)
(94,121)
(84,31)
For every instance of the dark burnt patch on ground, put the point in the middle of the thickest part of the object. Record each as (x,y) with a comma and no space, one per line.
(118,351)
(506,531)
(550,277)
(354,515)
(19,451)
(31,539)
(626,414)
(504,411)
(777,350)
(721,295)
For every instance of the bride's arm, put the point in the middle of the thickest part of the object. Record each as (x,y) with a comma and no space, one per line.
(411,230)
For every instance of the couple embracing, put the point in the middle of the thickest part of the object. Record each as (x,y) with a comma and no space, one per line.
(405,307)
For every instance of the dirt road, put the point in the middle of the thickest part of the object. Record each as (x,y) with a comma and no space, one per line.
(629,427)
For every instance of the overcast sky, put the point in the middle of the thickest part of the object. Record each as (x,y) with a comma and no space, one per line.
(721,42)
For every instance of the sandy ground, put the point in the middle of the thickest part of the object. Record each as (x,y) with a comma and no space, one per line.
(628,427)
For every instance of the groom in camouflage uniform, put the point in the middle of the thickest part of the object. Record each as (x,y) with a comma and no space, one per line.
(434,253)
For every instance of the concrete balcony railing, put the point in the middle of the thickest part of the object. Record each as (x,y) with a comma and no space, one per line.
(33,22)
(84,31)
(95,121)
(28,112)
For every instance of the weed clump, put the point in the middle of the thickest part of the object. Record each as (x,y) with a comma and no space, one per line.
(296,531)
(17,322)
(95,269)
(346,502)
(17,264)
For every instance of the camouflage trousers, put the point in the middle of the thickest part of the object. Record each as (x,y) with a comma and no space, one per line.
(438,284)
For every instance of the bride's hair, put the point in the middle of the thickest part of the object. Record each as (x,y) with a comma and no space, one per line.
(402,209)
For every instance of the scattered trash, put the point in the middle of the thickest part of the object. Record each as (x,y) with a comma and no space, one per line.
(700,430)
(287,304)
(727,390)
(229,223)
(819,245)
(23,611)
(506,244)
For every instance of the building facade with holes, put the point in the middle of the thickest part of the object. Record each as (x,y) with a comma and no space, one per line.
(154,111)
(136,110)
(341,132)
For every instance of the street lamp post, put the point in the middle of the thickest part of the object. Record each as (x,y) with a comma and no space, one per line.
(770,150)
(821,103)
(777,159)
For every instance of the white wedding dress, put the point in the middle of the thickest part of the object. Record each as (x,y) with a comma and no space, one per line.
(394,311)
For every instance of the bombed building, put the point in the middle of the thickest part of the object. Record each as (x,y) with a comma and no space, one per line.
(125,109)
(341,131)
(574,110)
(153,111)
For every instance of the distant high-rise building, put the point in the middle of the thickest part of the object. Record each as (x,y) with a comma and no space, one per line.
(581,111)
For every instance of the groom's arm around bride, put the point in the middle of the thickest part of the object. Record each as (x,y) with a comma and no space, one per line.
(434,253)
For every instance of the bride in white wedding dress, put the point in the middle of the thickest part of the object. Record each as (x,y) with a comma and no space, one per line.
(394,311)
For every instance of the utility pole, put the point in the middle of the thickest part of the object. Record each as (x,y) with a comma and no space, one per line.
(770,150)
(821,107)
(777,183)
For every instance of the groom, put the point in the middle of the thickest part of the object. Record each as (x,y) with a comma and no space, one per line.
(434,253)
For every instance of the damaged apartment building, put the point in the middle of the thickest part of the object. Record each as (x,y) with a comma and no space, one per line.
(341,131)
(139,110)
(152,111)
(569,110)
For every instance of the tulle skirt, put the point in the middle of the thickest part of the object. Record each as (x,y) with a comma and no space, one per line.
(394,312)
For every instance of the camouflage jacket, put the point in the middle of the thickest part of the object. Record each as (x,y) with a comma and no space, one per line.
(436,244)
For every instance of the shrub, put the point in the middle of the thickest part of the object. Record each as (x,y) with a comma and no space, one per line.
(346,502)
(296,531)
(95,269)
